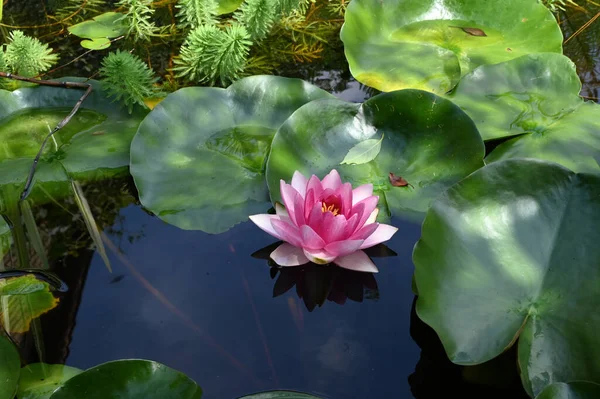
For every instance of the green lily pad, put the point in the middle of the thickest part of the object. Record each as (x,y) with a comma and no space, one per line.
(10,367)
(228,6)
(40,380)
(24,299)
(529,94)
(571,390)
(427,140)
(95,44)
(280,395)
(430,44)
(536,99)
(198,158)
(129,379)
(97,30)
(499,258)
(94,144)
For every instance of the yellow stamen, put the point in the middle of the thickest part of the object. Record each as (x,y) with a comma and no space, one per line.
(330,208)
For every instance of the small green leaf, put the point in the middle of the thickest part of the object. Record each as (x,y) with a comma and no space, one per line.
(10,367)
(40,380)
(24,285)
(18,311)
(96,43)
(129,379)
(363,152)
(107,25)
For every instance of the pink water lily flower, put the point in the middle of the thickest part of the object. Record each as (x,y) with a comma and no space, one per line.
(325,221)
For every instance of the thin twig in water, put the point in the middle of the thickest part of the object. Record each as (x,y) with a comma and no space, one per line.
(61,124)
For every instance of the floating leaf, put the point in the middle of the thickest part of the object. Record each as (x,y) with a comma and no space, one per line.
(129,379)
(198,158)
(280,395)
(99,29)
(397,44)
(10,367)
(497,261)
(40,380)
(228,6)
(17,311)
(571,390)
(21,286)
(536,99)
(27,115)
(95,44)
(363,152)
(428,141)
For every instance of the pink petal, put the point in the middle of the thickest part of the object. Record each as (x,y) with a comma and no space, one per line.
(299,183)
(364,232)
(287,195)
(289,255)
(315,217)
(310,239)
(287,232)
(315,184)
(299,209)
(282,212)
(351,224)
(318,256)
(358,261)
(346,196)
(333,227)
(383,233)
(342,248)
(264,222)
(361,192)
(373,217)
(369,204)
(309,202)
(332,180)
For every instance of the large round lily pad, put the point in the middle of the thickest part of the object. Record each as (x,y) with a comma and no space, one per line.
(129,379)
(535,98)
(571,390)
(510,253)
(94,144)
(10,367)
(40,380)
(198,158)
(430,44)
(419,137)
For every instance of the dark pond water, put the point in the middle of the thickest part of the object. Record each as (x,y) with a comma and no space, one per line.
(211,307)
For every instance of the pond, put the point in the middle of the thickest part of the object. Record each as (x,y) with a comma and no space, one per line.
(213,306)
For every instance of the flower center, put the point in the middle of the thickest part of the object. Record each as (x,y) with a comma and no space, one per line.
(330,208)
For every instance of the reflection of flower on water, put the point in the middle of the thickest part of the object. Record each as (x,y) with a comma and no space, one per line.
(325,221)
(315,283)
